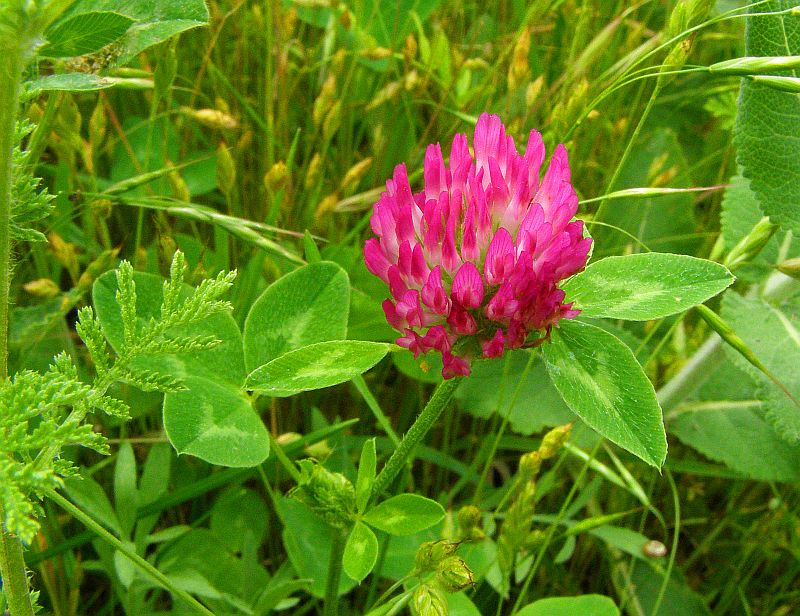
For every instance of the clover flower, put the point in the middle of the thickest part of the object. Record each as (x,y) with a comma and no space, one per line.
(473,261)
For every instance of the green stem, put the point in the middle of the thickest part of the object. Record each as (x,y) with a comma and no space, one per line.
(140,562)
(12,563)
(334,573)
(14,576)
(438,403)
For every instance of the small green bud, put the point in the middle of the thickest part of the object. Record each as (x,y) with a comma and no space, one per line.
(469,517)
(454,574)
(277,177)
(554,440)
(530,464)
(429,601)
(752,244)
(226,170)
(790,267)
(534,539)
(331,495)
(431,553)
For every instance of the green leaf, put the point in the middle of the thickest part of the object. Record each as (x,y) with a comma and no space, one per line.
(67,82)
(316,366)
(87,494)
(126,496)
(308,541)
(601,381)
(645,286)
(769,120)
(156,20)
(239,518)
(494,385)
(307,306)
(84,34)
(737,434)
(366,474)
(585,605)
(404,514)
(773,334)
(216,423)
(360,552)
(224,362)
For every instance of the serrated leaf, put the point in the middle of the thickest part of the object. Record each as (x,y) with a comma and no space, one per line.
(366,474)
(360,552)
(216,423)
(601,381)
(585,605)
(645,286)
(769,120)
(404,514)
(316,366)
(773,334)
(306,306)
(84,33)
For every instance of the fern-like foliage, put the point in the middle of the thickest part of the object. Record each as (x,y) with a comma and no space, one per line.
(30,202)
(44,412)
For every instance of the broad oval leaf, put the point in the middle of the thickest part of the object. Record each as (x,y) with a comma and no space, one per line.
(585,605)
(360,552)
(601,381)
(366,474)
(645,286)
(216,423)
(404,514)
(768,120)
(306,306)
(84,33)
(316,366)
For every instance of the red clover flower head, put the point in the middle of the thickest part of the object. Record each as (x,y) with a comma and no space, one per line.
(473,261)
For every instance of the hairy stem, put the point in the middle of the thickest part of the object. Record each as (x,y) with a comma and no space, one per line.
(438,403)
(12,564)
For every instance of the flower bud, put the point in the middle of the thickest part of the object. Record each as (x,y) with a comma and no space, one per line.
(529,465)
(376,53)
(454,574)
(226,170)
(42,287)
(180,189)
(654,549)
(332,121)
(519,68)
(790,267)
(429,601)
(386,93)
(101,264)
(534,539)
(330,495)
(533,91)
(554,440)
(431,553)
(752,244)
(212,118)
(323,102)
(326,205)
(469,517)
(65,253)
(277,177)
(313,172)
(410,49)
(354,175)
